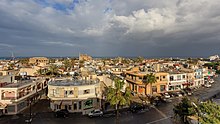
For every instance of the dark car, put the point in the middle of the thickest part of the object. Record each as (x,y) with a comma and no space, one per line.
(63,113)
(137,108)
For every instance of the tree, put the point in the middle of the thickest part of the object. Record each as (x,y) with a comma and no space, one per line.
(118,98)
(53,70)
(149,79)
(209,113)
(67,65)
(184,109)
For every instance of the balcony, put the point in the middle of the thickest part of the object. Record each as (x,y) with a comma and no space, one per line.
(134,81)
(9,98)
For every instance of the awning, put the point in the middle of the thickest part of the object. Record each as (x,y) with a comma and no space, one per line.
(65,102)
(57,102)
(2,106)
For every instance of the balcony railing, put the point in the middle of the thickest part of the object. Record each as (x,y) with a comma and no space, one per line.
(8,98)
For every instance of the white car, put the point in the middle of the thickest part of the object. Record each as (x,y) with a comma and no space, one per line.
(208,85)
(211,81)
(179,94)
(95,113)
(166,95)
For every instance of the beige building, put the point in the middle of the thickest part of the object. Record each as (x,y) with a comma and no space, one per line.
(32,71)
(75,95)
(84,57)
(41,61)
(16,97)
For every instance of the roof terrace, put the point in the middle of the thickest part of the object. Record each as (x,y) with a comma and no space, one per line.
(68,82)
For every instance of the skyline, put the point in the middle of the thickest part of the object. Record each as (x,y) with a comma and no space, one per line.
(168,28)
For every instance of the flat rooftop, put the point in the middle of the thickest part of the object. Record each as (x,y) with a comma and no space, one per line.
(18,84)
(68,82)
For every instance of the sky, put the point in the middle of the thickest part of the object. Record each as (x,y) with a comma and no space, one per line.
(149,28)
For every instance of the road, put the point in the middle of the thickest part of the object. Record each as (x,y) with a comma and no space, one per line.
(161,114)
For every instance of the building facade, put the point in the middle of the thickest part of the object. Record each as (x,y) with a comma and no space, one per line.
(75,95)
(15,97)
(41,61)
(176,81)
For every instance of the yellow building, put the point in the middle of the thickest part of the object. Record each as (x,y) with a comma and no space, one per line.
(42,61)
(135,80)
(84,57)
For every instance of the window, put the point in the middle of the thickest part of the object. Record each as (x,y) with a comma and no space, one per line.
(75,106)
(178,77)
(162,88)
(157,78)
(171,87)
(71,92)
(70,107)
(80,104)
(184,76)
(164,77)
(33,88)
(177,87)
(86,91)
(154,89)
(171,78)
(88,104)
(11,108)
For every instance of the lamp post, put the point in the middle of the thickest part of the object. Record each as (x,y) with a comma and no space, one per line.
(196,107)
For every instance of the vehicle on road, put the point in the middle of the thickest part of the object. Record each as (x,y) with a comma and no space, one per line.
(95,113)
(62,113)
(166,95)
(136,108)
(208,85)
(179,94)
(211,81)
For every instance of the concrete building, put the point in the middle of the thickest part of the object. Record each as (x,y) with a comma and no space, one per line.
(40,61)
(84,57)
(31,71)
(199,78)
(135,80)
(15,97)
(75,95)
(176,81)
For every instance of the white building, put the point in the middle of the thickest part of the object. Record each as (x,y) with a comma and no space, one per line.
(176,81)
(215,57)
(15,97)
(75,95)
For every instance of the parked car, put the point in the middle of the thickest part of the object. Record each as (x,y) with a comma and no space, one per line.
(95,113)
(179,94)
(136,108)
(211,81)
(166,95)
(62,113)
(208,85)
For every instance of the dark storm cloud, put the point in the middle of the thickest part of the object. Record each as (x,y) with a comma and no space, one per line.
(109,28)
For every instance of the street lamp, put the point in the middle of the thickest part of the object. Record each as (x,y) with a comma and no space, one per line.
(196,107)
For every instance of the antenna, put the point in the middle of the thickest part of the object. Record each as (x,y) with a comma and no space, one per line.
(12,55)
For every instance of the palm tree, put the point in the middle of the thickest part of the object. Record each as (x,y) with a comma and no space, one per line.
(149,79)
(118,98)
(67,65)
(53,70)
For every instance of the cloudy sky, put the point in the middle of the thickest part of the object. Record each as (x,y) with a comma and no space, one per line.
(110,27)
